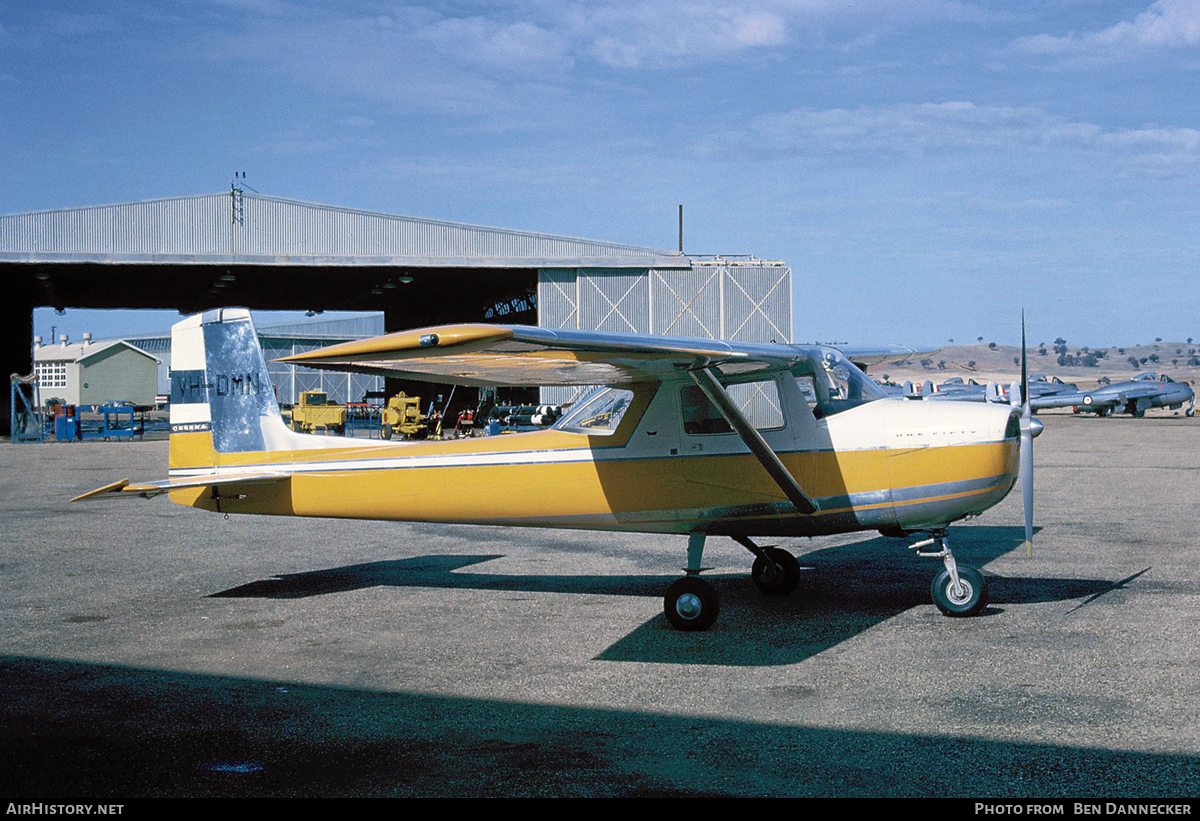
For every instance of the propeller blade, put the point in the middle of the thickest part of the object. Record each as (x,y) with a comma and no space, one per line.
(1027,480)
(1027,435)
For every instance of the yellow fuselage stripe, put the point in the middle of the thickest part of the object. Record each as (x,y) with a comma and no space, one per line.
(600,492)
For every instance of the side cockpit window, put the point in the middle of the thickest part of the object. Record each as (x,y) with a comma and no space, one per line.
(758,401)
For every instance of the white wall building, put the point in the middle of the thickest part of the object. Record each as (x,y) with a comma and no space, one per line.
(95,373)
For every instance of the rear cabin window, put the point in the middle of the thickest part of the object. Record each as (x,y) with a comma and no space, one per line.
(597,413)
(758,401)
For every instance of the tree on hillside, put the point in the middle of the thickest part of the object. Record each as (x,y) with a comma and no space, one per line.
(991,346)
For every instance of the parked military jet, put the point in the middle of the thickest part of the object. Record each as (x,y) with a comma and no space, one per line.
(1134,397)
(691,436)
(955,388)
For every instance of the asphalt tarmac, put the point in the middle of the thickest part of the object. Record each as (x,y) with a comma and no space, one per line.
(155,650)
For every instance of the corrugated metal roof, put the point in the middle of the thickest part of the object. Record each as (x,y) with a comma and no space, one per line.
(80,351)
(352,327)
(220,229)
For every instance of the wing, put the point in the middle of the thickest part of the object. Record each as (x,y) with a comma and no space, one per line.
(866,355)
(1148,389)
(521,355)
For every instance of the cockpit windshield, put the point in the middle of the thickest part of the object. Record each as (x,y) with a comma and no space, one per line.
(836,384)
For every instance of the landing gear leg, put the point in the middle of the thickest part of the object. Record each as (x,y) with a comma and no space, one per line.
(691,603)
(957,591)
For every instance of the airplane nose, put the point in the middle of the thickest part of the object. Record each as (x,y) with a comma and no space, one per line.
(1035,427)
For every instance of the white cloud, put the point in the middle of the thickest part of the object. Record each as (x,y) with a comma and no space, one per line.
(927,128)
(626,35)
(479,40)
(1165,24)
(534,36)
(909,128)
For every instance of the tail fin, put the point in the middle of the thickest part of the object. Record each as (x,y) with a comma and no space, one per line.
(220,384)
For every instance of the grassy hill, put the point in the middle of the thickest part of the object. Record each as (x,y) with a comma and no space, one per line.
(1179,360)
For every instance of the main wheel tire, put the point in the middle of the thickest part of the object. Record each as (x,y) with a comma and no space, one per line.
(774,582)
(691,604)
(969,601)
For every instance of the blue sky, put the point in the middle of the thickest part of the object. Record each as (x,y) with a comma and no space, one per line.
(926,167)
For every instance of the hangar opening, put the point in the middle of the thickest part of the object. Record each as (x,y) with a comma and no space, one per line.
(268,253)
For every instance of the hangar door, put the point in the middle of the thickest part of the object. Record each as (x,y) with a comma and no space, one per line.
(721,298)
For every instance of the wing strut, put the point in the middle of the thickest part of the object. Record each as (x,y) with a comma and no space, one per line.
(707,382)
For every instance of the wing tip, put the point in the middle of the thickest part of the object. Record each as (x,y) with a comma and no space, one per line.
(111,487)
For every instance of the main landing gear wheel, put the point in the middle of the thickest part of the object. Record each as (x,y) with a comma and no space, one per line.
(778,579)
(968,600)
(691,604)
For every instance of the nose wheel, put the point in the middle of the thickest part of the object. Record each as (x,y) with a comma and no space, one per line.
(957,591)
(966,598)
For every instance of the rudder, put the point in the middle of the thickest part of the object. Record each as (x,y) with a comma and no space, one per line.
(220,384)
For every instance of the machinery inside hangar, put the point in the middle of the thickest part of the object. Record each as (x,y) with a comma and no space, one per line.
(268,253)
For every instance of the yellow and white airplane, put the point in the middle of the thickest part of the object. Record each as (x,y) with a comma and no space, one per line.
(688,436)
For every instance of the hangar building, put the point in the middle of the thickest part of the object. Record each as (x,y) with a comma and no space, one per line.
(242,248)
(290,338)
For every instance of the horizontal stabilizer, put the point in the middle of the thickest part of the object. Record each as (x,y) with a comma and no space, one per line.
(148,490)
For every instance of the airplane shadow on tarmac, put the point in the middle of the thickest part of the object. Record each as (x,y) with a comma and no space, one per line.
(86,731)
(844,590)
